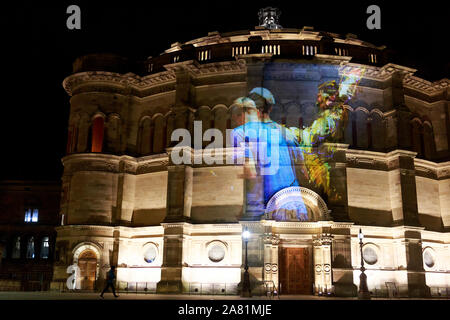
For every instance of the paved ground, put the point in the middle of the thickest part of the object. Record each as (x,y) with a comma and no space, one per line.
(132,296)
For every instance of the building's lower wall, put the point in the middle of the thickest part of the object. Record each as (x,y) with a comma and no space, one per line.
(380,281)
(211,279)
(397,268)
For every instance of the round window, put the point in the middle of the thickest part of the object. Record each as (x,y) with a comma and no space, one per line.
(150,254)
(370,255)
(216,253)
(428,258)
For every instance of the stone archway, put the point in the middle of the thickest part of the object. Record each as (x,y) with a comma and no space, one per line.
(87,263)
(86,256)
(296,204)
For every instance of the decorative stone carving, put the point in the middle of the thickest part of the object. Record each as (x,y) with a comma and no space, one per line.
(322,263)
(293,199)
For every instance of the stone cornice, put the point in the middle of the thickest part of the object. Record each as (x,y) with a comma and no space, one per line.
(238,37)
(376,160)
(216,68)
(424,86)
(378,73)
(390,161)
(114,164)
(82,227)
(428,169)
(123,81)
(332,59)
(131,81)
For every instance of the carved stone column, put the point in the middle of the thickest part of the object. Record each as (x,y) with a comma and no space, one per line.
(408,190)
(417,286)
(172,268)
(323,281)
(271,242)
(337,200)
(179,193)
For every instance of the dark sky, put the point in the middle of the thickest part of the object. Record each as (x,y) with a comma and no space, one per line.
(37,52)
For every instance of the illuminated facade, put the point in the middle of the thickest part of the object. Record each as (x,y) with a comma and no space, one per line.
(178,227)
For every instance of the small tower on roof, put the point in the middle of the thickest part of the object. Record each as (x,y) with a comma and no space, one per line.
(269,18)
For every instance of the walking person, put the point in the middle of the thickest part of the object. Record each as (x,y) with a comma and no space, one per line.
(110,277)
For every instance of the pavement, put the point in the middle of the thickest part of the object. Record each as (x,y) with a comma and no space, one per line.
(52,295)
(48,295)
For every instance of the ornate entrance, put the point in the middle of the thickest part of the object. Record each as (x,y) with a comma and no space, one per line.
(87,262)
(295,271)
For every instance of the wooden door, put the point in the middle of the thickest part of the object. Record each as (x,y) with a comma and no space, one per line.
(295,271)
(88,268)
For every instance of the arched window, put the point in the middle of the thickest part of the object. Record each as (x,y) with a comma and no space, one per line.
(378,131)
(220,120)
(429,146)
(205,116)
(417,137)
(113,133)
(159,136)
(98,125)
(369,134)
(146,137)
(348,130)
(354,135)
(30,248)
(16,248)
(361,135)
(170,126)
(45,248)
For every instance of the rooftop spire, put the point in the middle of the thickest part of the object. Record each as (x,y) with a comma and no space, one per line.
(269,18)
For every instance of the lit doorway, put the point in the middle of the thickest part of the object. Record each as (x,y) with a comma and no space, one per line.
(295,271)
(87,262)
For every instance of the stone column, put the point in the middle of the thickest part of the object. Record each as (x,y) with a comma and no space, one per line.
(179,193)
(126,186)
(408,188)
(337,200)
(416,274)
(254,199)
(271,242)
(172,266)
(178,210)
(323,282)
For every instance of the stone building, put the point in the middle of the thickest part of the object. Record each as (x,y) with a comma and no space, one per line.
(29,215)
(178,227)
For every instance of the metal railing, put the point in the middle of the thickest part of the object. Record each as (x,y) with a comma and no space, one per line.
(136,287)
(271,289)
(213,289)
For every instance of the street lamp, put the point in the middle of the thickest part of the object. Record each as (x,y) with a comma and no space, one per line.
(246,292)
(363,292)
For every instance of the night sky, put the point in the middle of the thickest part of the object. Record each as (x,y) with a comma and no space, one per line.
(37,53)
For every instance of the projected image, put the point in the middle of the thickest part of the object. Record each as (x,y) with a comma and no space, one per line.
(278,157)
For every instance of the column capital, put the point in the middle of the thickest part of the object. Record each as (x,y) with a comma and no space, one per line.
(322,239)
(270,238)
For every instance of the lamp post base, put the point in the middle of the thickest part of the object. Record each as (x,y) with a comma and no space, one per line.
(246,292)
(364,295)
